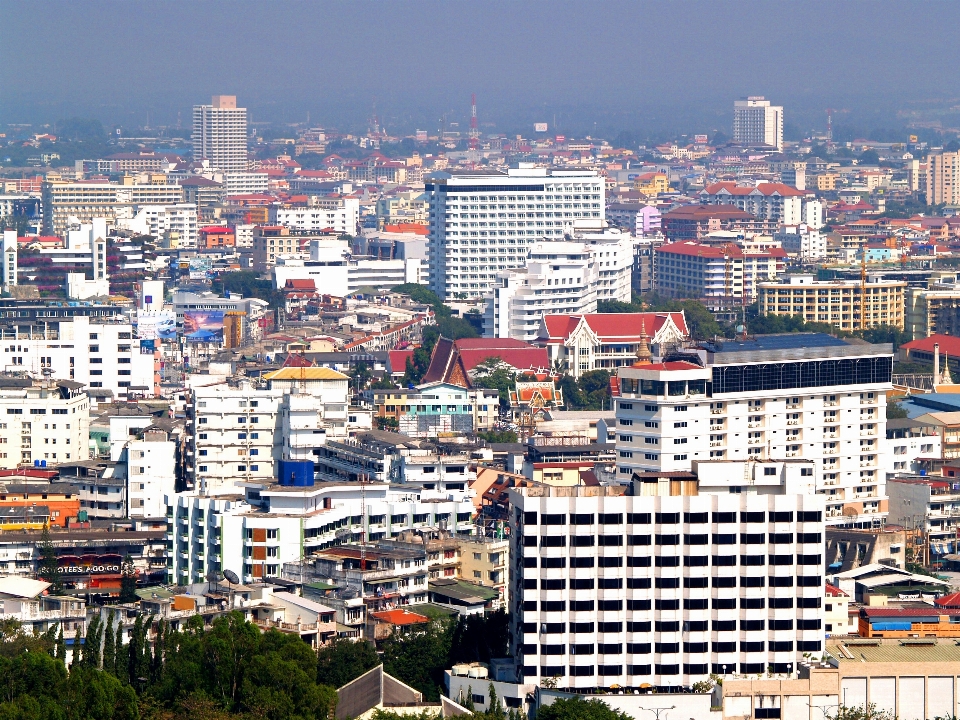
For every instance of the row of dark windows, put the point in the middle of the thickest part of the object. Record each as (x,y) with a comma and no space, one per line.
(659,647)
(532,518)
(747,603)
(674,669)
(807,374)
(454,189)
(666,626)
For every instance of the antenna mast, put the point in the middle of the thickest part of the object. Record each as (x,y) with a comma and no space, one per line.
(474,130)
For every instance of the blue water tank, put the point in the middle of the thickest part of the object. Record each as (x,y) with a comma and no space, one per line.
(36,463)
(43,463)
(295,473)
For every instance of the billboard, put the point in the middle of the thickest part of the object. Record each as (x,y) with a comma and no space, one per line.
(203,326)
(539,127)
(700,139)
(156,325)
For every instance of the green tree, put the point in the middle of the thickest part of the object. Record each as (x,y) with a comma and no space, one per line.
(110,645)
(479,638)
(577,708)
(498,436)
(128,581)
(419,658)
(343,661)
(895,411)
(61,646)
(49,567)
(91,652)
(862,712)
(595,389)
(77,647)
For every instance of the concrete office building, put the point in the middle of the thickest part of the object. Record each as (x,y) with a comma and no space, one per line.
(943,178)
(845,304)
(757,123)
(101,355)
(220,134)
(69,202)
(559,277)
(46,421)
(667,584)
(777,397)
(482,222)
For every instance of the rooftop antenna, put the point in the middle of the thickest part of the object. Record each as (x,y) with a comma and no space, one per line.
(474,130)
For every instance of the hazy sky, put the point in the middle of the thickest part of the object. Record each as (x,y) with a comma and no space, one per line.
(623,65)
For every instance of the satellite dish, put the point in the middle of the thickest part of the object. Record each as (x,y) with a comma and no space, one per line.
(231,577)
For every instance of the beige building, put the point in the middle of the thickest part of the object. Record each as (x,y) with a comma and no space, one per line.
(485,561)
(86,201)
(910,680)
(935,308)
(943,179)
(845,304)
(836,611)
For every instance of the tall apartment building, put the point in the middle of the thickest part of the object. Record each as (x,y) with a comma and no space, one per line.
(776,397)
(98,355)
(8,256)
(943,178)
(769,201)
(686,269)
(233,436)
(220,134)
(935,308)
(339,215)
(482,222)
(64,201)
(669,583)
(845,304)
(758,123)
(559,277)
(45,421)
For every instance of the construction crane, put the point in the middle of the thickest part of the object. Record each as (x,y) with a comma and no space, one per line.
(474,129)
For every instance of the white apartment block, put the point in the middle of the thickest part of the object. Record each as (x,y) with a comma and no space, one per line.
(47,423)
(803,242)
(220,134)
(757,122)
(612,250)
(943,178)
(174,224)
(245,183)
(778,397)
(661,588)
(484,222)
(103,355)
(150,473)
(344,217)
(273,524)
(234,434)
(911,442)
(767,201)
(560,278)
(66,202)
(8,256)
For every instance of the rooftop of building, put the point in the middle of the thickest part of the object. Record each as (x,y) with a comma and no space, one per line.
(907,651)
(463,590)
(295,374)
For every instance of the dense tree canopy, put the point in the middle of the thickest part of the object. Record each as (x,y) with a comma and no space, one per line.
(577,708)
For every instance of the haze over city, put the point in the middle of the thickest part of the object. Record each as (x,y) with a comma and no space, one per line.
(648,67)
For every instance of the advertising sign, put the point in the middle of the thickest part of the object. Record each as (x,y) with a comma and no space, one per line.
(203,326)
(700,139)
(539,127)
(89,564)
(156,325)
(561,138)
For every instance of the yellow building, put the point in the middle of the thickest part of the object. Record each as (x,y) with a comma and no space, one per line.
(485,561)
(838,302)
(935,308)
(827,181)
(652,184)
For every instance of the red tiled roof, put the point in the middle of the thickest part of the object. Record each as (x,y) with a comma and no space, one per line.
(948,344)
(516,353)
(612,326)
(296,360)
(948,601)
(400,617)
(833,591)
(219,230)
(707,251)
(293,284)
(766,189)
(397,359)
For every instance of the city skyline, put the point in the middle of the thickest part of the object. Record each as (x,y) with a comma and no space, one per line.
(669,87)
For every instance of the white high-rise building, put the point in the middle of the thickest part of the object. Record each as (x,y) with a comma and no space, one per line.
(669,583)
(8,249)
(482,222)
(776,397)
(220,134)
(45,421)
(559,278)
(612,251)
(172,225)
(757,122)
